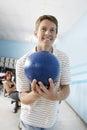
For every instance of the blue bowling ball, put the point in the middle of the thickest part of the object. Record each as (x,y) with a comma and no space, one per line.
(41,66)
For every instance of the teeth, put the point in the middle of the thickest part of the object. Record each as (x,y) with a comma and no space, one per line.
(47,39)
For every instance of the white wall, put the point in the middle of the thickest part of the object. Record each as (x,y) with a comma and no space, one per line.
(74,43)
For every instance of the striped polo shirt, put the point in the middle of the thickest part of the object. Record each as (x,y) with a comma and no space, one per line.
(42,113)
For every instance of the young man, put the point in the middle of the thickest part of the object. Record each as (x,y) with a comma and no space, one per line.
(39,110)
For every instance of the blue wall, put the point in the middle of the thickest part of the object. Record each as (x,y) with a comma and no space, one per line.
(14,49)
(74,43)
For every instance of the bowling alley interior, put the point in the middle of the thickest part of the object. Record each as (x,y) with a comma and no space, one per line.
(17,23)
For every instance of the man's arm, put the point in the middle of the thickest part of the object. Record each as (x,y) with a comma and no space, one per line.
(29,97)
(63,92)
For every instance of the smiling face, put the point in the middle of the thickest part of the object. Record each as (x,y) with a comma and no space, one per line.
(46,34)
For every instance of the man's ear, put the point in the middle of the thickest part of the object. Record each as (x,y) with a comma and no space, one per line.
(35,33)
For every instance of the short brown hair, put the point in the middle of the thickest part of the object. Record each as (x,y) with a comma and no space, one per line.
(49,17)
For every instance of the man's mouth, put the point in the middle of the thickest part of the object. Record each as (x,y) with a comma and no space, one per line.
(47,39)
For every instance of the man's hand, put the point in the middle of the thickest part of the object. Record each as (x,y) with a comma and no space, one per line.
(34,88)
(41,90)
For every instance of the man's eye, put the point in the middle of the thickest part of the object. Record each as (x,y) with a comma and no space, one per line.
(43,29)
(52,30)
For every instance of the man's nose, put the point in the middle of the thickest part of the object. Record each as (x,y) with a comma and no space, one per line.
(48,32)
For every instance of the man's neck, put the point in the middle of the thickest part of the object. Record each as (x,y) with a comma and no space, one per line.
(37,48)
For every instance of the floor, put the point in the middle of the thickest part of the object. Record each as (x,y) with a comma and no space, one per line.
(67,120)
